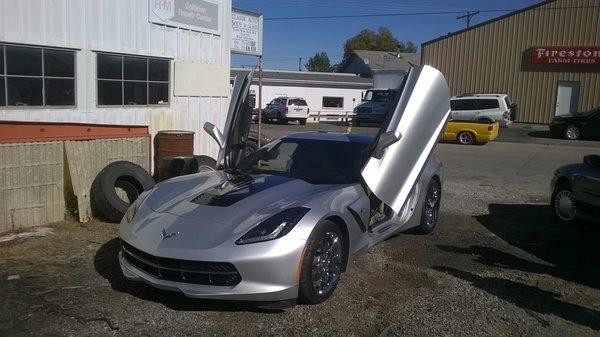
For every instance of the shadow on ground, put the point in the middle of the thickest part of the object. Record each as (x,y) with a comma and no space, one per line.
(566,252)
(541,134)
(570,251)
(106,263)
(530,298)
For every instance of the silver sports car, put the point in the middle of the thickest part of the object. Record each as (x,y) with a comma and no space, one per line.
(283,223)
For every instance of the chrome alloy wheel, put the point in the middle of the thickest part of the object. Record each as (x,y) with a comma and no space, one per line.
(564,205)
(327,262)
(432,205)
(572,132)
(466,138)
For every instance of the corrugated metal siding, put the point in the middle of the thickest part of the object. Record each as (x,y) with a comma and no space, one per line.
(489,58)
(85,159)
(119,26)
(31,184)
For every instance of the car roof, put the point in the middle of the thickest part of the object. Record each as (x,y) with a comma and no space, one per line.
(286,97)
(467,96)
(332,136)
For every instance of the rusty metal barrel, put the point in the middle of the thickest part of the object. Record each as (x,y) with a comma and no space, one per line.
(171,143)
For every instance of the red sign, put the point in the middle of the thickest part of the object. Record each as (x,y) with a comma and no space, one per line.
(566,55)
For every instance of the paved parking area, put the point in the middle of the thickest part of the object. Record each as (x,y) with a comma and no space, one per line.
(517,133)
(497,265)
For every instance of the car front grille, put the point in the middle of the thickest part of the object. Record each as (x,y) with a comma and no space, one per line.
(184,271)
(363,110)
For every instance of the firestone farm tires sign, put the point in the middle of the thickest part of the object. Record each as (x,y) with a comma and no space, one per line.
(246,32)
(199,15)
(566,55)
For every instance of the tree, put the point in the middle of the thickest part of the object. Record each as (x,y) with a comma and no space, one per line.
(320,62)
(382,40)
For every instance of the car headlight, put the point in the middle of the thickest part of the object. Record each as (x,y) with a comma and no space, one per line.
(274,227)
(132,211)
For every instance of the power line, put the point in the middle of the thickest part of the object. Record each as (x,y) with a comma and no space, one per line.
(413,13)
(467,17)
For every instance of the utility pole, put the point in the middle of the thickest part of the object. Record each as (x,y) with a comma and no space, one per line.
(467,17)
(260,80)
(299,64)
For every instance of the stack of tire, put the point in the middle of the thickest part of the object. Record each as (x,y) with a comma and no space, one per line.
(132,180)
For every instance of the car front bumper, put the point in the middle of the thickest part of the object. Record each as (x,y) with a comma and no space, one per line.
(369,118)
(268,276)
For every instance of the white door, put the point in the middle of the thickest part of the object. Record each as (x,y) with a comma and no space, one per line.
(567,97)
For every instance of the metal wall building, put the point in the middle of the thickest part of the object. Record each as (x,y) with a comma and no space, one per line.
(197,53)
(545,57)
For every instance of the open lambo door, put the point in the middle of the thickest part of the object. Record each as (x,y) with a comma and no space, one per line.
(237,126)
(408,136)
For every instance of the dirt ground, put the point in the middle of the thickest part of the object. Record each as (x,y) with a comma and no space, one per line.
(510,270)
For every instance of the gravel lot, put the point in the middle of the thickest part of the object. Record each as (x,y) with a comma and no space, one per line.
(497,265)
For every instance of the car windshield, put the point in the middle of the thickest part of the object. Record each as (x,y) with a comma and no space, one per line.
(378,95)
(314,161)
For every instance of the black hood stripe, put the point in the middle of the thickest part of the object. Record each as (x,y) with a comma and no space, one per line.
(238,187)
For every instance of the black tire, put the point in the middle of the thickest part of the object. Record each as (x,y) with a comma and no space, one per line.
(281,120)
(431,204)
(250,147)
(132,178)
(465,138)
(199,164)
(302,121)
(563,190)
(307,293)
(572,132)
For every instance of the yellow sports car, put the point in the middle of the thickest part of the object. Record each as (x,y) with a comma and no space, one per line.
(469,133)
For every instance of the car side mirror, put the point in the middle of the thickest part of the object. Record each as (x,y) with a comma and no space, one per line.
(592,159)
(215,133)
(385,141)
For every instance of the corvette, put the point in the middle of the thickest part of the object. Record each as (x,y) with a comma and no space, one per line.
(282,224)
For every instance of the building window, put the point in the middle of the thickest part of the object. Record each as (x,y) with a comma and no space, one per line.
(333,102)
(31,76)
(132,80)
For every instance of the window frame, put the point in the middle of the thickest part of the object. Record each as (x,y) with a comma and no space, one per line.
(122,81)
(43,77)
(332,107)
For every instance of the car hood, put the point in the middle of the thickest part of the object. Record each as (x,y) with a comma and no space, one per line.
(375,106)
(208,209)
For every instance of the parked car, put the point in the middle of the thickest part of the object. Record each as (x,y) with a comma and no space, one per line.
(576,191)
(585,124)
(285,222)
(469,133)
(285,109)
(483,108)
(374,106)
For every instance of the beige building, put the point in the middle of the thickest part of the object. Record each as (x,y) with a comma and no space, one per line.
(546,57)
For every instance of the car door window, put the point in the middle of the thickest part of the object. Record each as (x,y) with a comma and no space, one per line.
(464,104)
(486,104)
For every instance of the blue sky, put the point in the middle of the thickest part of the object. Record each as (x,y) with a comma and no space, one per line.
(286,40)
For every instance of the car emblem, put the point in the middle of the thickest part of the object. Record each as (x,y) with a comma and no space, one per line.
(166,235)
